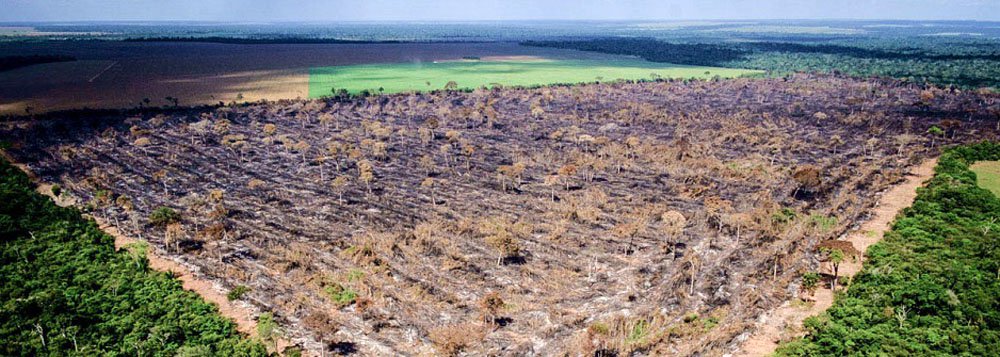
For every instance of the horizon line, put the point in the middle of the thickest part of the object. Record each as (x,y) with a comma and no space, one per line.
(488,21)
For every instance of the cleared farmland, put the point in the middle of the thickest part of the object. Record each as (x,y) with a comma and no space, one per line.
(123,74)
(402,77)
(988,175)
(657,218)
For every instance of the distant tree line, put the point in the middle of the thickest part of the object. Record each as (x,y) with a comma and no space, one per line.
(695,54)
(256,40)
(932,286)
(940,62)
(13,62)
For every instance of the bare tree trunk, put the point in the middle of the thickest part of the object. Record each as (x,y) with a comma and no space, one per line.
(694,272)
(836,275)
(41,333)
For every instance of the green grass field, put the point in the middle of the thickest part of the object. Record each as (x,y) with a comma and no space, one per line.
(988,175)
(402,77)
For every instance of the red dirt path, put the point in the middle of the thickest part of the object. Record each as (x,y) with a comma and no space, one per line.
(785,322)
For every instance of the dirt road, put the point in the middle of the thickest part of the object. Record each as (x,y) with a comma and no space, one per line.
(786,321)
(243,314)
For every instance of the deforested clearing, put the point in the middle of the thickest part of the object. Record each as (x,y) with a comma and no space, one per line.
(988,175)
(470,74)
(659,217)
(115,74)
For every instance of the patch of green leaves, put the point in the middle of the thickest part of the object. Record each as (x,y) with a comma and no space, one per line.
(237,292)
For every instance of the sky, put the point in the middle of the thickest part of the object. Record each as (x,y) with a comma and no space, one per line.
(490,10)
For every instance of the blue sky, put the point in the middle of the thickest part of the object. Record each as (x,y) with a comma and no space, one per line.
(459,10)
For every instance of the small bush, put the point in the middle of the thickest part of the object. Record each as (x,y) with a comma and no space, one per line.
(237,292)
(355,275)
(292,351)
(710,323)
(56,190)
(823,223)
(340,294)
(451,340)
(810,281)
(599,328)
(163,216)
(638,332)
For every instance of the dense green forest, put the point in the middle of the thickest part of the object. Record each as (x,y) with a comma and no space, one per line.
(969,64)
(932,286)
(66,291)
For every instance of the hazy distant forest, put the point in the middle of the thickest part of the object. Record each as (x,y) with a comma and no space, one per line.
(663,215)
(969,65)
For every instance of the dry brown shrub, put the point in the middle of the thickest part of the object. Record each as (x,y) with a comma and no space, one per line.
(363,304)
(491,305)
(452,339)
(140,142)
(255,184)
(216,195)
(136,131)
(218,213)
(426,238)
(807,177)
(213,232)
(322,324)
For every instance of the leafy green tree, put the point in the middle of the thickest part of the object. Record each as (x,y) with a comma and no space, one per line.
(268,330)
(810,281)
(163,216)
(935,133)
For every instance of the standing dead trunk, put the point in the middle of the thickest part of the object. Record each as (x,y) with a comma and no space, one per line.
(836,276)
(694,273)
(41,333)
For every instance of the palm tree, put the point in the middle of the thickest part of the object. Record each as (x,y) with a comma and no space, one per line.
(366,174)
(673,223)
(935,132)
(339,184)
(566,172)
(430,183)
(505,243)
(552,181)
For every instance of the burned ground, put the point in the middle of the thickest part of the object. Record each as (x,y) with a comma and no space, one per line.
(624,217)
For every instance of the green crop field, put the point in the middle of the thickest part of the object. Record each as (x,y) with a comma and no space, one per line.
(402,77)
(988,175)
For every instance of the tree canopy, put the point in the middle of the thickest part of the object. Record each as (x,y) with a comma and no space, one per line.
(932,286)
(67,291)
